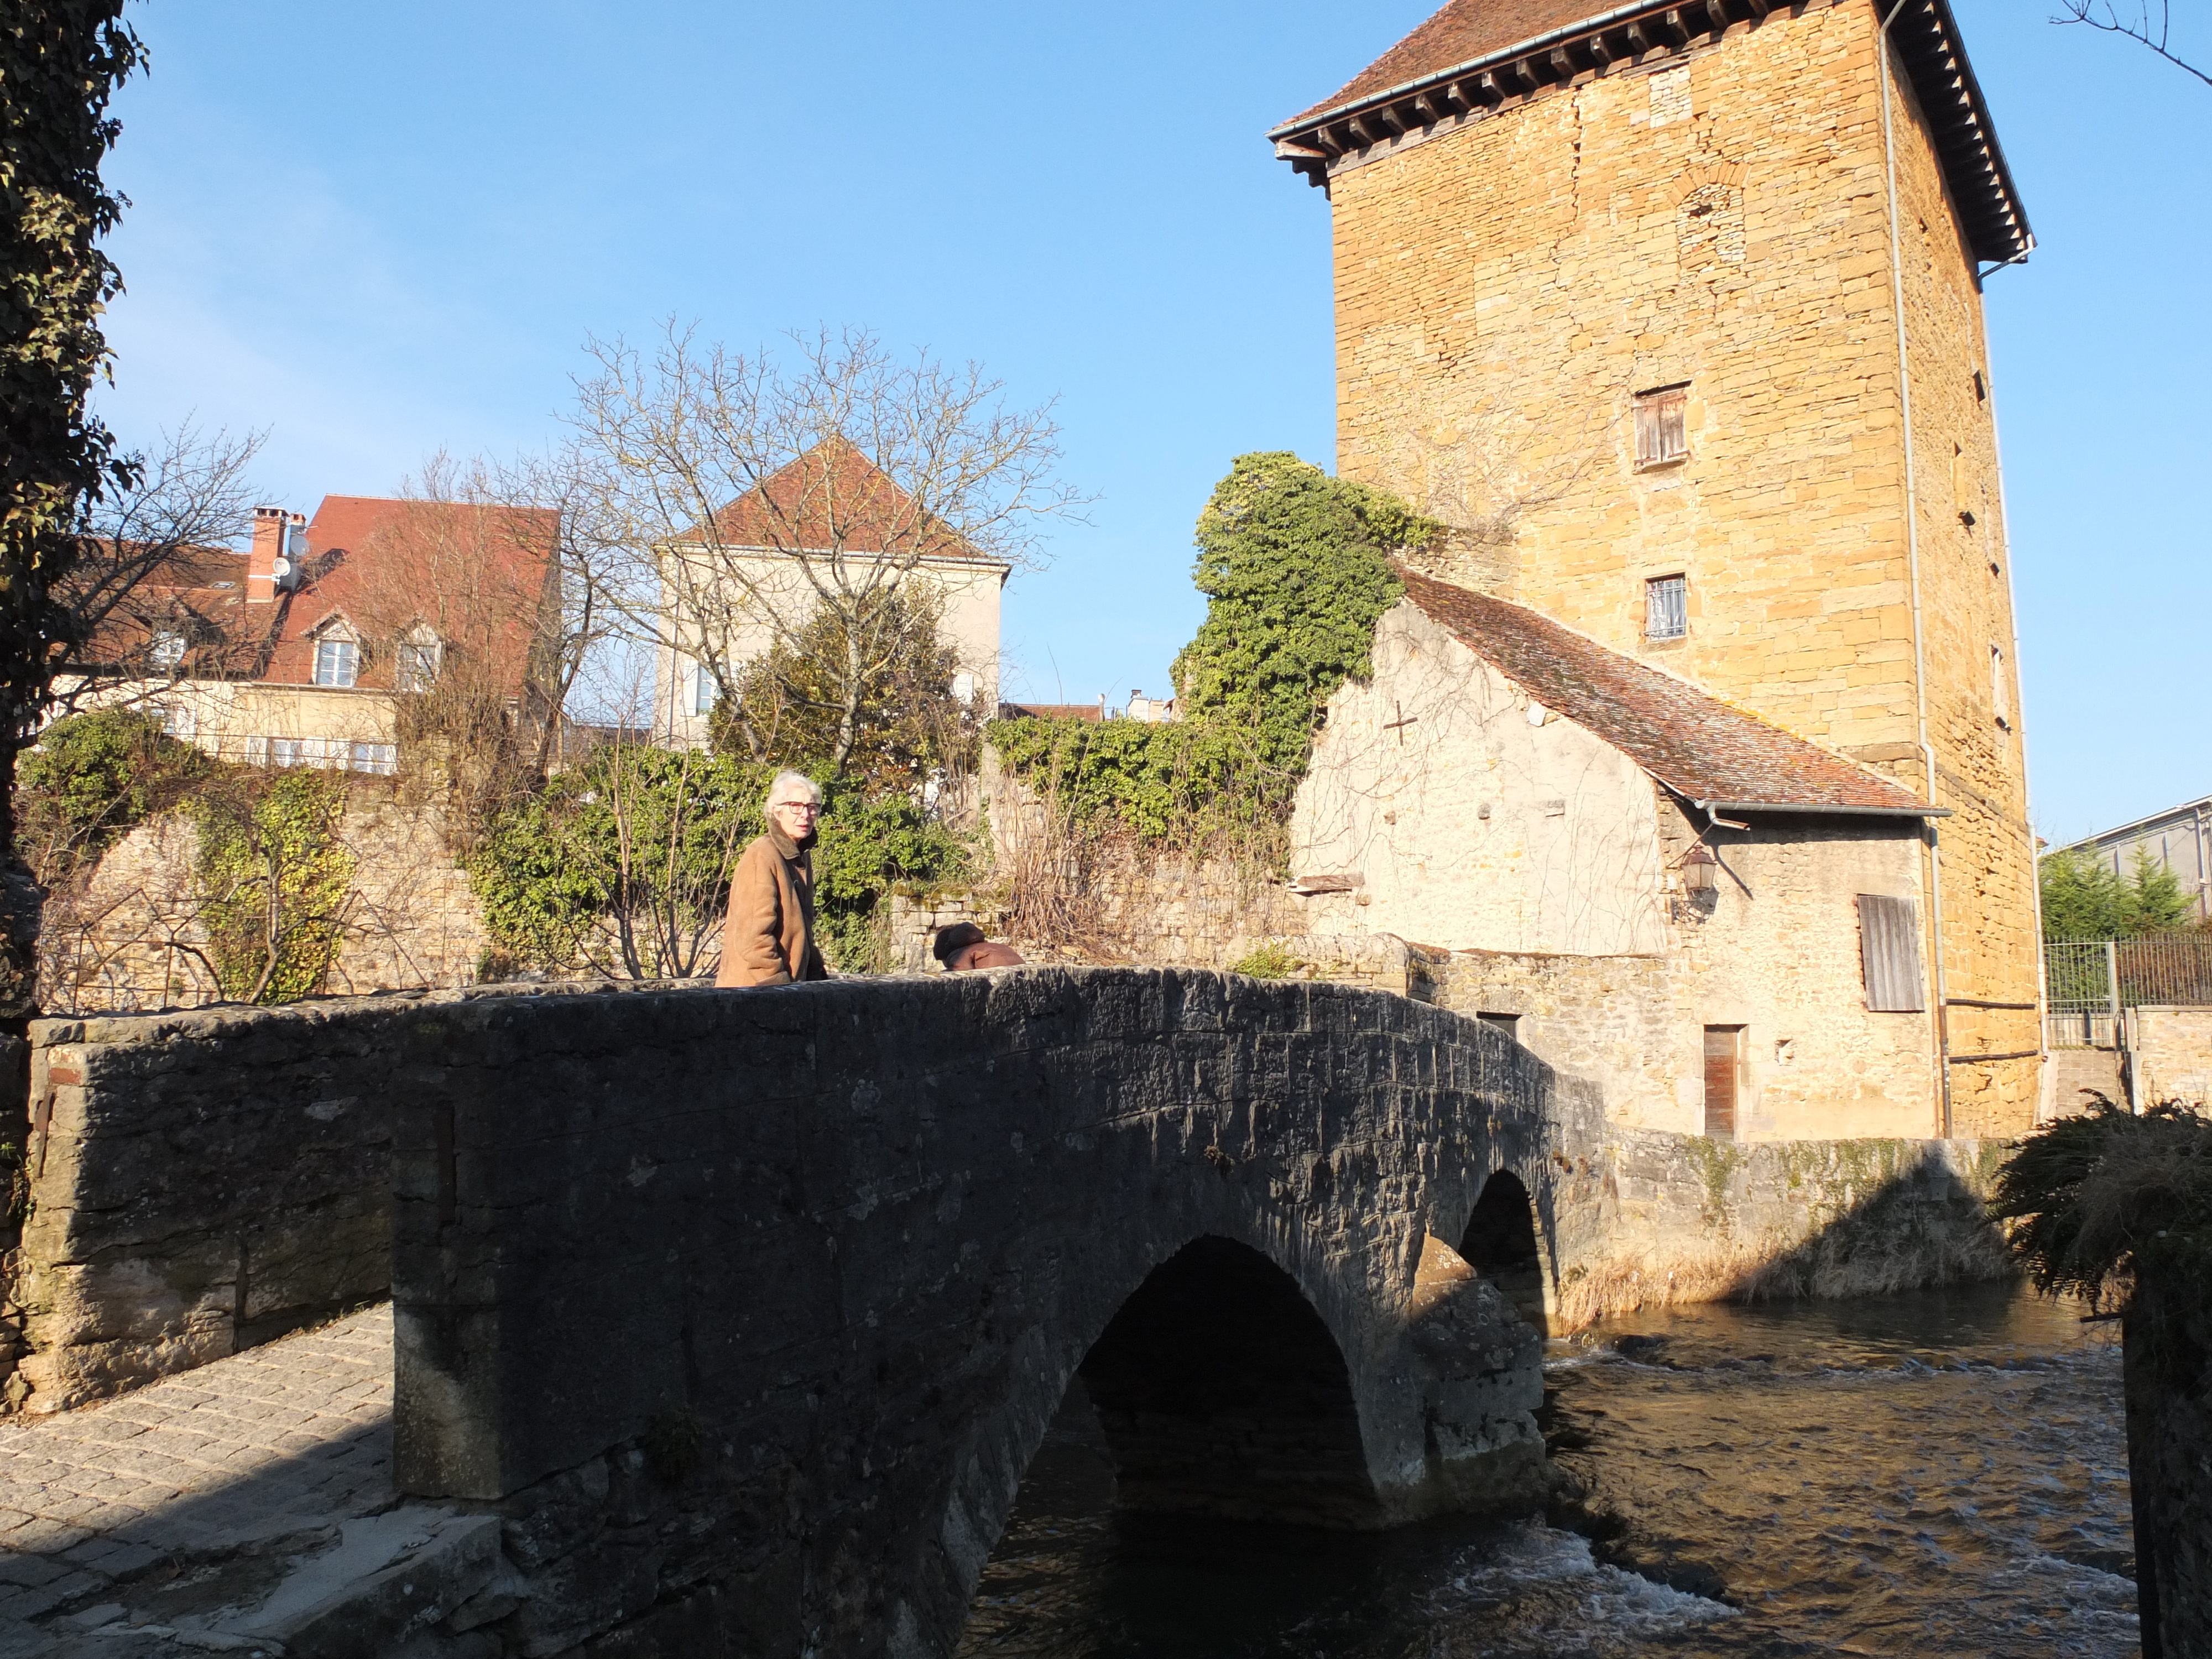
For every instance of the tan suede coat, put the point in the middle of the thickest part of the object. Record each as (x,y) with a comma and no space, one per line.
(769,936)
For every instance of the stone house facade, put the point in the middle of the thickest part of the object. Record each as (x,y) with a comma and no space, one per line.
(1649,887)
(1673,315)
(297,651)
(831,521)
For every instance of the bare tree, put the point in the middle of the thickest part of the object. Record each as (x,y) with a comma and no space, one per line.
(2106,15)
(489,601)
(749,495)
(143,598)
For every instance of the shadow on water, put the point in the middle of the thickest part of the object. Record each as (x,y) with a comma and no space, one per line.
(1935,1472)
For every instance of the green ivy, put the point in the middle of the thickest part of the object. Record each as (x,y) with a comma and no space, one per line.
(622,865)
(1192,782)
(1296,569)
(94,777)
(275,880)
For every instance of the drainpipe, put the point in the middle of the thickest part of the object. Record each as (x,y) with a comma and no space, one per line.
(1912,568)
(2020,702)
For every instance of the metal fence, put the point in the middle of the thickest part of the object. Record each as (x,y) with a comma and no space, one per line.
(2090,983)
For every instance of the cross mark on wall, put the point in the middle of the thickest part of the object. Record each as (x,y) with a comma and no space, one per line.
(1400,725)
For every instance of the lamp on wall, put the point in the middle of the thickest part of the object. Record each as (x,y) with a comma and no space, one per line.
(1701,871)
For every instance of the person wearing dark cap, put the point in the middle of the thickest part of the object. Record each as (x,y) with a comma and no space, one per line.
(962,947)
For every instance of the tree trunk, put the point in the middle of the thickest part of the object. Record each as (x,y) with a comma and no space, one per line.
(2167,1338)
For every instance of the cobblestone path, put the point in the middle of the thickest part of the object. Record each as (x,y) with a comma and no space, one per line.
(279,1440)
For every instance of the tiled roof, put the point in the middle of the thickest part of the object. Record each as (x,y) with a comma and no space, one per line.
(1442,72)
(835,498)
(1464,32)
(1699,747)
(1052,711)
(477,576)
(197,593)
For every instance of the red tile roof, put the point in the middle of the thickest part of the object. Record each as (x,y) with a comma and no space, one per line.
(1052,711)
(197,593)
(1699,747)
(478,575)
(834,498)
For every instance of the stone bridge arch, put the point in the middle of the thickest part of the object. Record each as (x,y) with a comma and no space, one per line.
(848,1243)
(747,1309)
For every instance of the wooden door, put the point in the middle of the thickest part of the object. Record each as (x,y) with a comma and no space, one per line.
(1723,1066)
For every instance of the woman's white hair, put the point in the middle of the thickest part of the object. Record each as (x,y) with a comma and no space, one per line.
(793,785)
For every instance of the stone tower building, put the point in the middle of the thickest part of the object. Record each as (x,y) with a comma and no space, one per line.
(1673,312)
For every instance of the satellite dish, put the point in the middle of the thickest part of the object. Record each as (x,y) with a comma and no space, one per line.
(282,571)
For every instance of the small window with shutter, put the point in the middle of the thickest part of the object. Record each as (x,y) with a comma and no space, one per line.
(1662,425)
(1889,954)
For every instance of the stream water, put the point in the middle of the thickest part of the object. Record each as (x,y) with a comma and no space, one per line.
(1934,1474)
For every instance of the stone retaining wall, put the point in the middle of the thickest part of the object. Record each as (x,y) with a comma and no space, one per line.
(2170,1055)
(1683,1219)
(174,1217)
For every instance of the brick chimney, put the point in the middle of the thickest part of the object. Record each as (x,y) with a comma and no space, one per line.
(269,524)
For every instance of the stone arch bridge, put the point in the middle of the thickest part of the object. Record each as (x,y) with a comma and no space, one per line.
(829,1257)
(745,1311)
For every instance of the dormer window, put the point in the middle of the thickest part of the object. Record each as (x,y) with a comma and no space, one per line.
(167,651)
(418,659)
(338,658)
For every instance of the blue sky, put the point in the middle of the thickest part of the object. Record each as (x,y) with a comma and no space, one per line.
(381,230)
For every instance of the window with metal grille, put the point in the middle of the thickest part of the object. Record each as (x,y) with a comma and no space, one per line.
(1661,429)
(1666,607)
(1889,954)
(337,662)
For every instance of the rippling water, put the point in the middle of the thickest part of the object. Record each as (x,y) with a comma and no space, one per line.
(1942,1472)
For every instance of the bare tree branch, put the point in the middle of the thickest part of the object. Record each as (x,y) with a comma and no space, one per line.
(745,495)
(141,606)
(2105,15)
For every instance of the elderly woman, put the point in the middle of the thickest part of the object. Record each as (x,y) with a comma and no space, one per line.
(768,937)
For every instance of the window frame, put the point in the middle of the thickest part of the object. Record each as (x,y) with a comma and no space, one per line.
(1650,413)
(1654,588)
(418,659)
(344,651)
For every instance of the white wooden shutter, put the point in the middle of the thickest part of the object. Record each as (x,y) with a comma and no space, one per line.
(1889,954)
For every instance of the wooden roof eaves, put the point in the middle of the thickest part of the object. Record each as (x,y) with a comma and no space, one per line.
(1935,56)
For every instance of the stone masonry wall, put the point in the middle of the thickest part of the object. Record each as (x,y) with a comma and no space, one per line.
(1682,1219)
(1720,220)
(2169,1055)
(172,1219)
(133,938)
(1989,898)
(743,1310)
